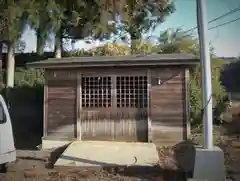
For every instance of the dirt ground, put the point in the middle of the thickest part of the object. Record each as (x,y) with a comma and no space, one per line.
(227,137)
(34,170)
(232,156)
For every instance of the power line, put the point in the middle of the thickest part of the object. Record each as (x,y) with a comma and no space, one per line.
(223,24)
(228,22)
(217,18)
(226,14)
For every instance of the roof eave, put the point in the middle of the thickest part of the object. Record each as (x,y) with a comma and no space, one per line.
(109,64)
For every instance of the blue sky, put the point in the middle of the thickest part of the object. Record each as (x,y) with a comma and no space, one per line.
(225,39)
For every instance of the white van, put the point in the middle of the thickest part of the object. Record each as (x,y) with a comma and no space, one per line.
(7,147)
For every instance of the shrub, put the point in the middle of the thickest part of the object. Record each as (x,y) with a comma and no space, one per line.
(219,95)
(113,49)
(29,77)
(106,50)
(143,47)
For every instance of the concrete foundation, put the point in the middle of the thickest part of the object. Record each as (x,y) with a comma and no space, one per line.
(209,165)
(52,144)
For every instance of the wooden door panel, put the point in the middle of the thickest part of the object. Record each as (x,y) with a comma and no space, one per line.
(97,125)
(110,110)
(116,126)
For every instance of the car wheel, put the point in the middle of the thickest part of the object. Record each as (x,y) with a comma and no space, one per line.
(3,168)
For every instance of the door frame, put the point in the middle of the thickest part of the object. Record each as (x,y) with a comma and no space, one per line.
(113,75)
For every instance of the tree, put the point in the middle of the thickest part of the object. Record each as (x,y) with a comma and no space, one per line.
(60,18)
(179,43)
(14,12)
(3,29)
(135,16)
(139,16)
(19,47)
(171,36)
(39,20)
(176,41)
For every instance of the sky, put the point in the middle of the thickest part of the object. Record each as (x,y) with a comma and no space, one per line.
(225,39)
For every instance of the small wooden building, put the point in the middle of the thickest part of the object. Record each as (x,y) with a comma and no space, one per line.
(141,98)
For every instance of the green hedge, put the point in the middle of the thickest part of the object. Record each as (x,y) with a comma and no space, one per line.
(28,86)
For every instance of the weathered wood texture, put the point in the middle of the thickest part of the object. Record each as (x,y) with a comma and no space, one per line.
(167,99)
(115,125)
(116,117)
(115,112)
(60,104)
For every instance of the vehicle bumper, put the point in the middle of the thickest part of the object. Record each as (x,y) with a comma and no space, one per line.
(8,157)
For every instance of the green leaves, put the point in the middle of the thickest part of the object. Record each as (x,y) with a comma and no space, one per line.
(15,17)
(29,77)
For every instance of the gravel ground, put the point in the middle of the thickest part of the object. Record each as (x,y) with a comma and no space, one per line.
(34,170)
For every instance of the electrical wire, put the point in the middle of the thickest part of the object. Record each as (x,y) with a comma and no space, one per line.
(217,18)
(228,22)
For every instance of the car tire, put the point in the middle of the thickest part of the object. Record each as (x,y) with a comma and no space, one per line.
(3,168)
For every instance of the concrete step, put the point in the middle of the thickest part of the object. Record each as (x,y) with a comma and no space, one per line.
(108,154)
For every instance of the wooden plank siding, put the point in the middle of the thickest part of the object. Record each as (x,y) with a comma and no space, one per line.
(167,105)
(161,121)
(114,125)
(60,104)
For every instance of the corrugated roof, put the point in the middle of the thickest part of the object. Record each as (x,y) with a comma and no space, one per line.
(102,61)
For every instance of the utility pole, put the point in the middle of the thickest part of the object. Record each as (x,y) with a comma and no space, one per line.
(204,167)
(206,73)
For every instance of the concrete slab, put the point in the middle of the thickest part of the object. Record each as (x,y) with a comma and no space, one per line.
(209,165)
(53,144)
(104,154)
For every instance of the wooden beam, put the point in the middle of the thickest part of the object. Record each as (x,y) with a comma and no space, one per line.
(114,104)
(149,103)
(79,106)
(45,109)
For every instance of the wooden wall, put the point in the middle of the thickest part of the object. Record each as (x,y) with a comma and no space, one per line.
(60,104)
(168,121)
(165,121)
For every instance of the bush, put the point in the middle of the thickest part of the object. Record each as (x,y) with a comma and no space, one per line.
(219,95)
(106,50)
(112,49)
(28,86)
(28,77)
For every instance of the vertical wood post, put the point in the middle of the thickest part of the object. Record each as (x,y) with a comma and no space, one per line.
(45,109)
(114,105)
(149,105)
(79,106)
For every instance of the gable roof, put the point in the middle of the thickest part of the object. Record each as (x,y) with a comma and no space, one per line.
(106,61)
